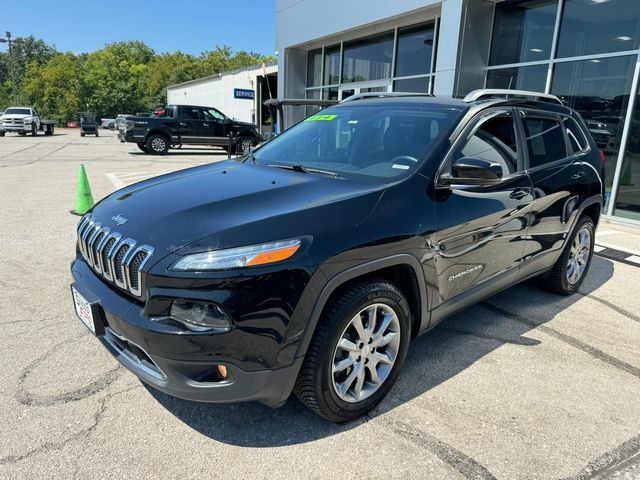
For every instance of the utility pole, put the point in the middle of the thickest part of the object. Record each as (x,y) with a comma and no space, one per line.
(8,40)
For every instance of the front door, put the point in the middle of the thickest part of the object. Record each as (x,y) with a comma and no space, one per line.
(481,229)
(213,129)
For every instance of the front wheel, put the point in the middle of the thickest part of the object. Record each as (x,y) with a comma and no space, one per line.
(570,270)
(34,129)
(244,144)
(157,145)
(357,351)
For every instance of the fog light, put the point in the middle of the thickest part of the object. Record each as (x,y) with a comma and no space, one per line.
(223,371)
(200,316)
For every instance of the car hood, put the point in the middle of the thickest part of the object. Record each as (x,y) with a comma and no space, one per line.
(14,116)
(229,203)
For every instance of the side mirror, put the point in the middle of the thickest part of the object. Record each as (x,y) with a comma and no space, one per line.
(473,171)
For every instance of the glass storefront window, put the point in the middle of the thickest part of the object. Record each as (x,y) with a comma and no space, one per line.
(314,68)
(628,198)
(533,78)
(415,85)
(523,31)
(599,89)
(332,65)
(312,94)
(414,50)
(594,26)
(330,93)
(368,59)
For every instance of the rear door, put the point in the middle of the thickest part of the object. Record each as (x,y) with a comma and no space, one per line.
(558,178)
(189,120)
(481,229)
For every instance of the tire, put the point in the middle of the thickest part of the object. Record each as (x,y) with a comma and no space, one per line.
(333,395)
(157,145)
(142,146)
(82,134)
(2,134)
(97,135)
(572,267)
(22,134)
(34,129)
(243,144)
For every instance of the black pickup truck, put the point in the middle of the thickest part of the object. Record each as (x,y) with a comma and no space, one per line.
(188,125)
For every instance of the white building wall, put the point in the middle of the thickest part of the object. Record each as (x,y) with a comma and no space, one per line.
(217,91)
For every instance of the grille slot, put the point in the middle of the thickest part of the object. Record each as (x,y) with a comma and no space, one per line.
(117,260)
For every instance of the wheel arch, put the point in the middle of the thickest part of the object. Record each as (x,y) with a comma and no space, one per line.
(403,270)
(159,131)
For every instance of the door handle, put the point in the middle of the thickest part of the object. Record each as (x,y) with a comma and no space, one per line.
(577,175)
(183,124)
(518,194)
(205,124)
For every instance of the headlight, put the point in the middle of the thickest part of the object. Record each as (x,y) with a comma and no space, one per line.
(238,257)
(129,124)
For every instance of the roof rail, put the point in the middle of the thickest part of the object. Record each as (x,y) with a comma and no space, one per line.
(488,92)
(363,96)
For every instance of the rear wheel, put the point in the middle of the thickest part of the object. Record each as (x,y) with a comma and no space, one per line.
(570,270)
(157,145)
(82,134)
(357,351)
(142,146)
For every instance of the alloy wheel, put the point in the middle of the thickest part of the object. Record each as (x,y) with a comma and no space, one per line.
(366,352)
(579,255)
(158,144)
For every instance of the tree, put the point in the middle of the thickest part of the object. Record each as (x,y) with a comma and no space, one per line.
(165,70)
(55,88)
(114,78)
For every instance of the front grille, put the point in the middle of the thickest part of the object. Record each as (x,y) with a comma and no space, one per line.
(118,260)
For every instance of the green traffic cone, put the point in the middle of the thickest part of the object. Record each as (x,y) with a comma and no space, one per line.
(84,199)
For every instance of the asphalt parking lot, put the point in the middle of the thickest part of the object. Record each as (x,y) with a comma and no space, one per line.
(526,385)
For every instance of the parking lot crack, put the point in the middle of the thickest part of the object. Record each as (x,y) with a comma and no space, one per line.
(468,467)
(514,341)
(563,337)
(608,463)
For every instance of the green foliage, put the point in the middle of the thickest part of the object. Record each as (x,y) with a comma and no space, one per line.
(123,77)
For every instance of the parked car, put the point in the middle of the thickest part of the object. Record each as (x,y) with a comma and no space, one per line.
(309,264)
(599,132)
(23,120)
(188,125)
(109,123)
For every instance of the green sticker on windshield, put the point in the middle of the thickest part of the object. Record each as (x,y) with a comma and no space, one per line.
(320,118)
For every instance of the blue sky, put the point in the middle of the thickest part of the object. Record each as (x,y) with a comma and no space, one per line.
(188,25)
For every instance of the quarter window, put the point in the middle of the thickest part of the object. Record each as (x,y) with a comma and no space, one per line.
(495,141)
(576,137)
(545,141)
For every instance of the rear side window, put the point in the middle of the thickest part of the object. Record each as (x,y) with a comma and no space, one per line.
(576,136)
(545,141)
(188,113)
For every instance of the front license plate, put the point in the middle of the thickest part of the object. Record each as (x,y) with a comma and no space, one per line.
(88,312)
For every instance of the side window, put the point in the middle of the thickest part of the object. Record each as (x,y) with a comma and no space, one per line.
(576,136)
(190,113)
(545,140)
(494,140)
(212,115)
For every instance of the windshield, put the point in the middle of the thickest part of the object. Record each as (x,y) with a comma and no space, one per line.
(17,111)
(378,142)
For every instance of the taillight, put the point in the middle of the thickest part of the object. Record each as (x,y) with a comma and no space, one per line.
(604,158)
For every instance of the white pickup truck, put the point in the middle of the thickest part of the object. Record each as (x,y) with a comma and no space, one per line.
(23,120)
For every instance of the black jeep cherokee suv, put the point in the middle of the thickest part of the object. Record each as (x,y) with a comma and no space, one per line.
(310,264)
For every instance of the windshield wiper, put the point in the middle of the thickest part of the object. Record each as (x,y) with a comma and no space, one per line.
(299,168)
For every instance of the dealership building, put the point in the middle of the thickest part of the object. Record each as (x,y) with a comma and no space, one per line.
(587,52)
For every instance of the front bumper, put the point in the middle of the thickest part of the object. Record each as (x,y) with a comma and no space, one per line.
(15,128)
(135,341)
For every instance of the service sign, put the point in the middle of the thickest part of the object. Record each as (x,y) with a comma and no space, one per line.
(242,93)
